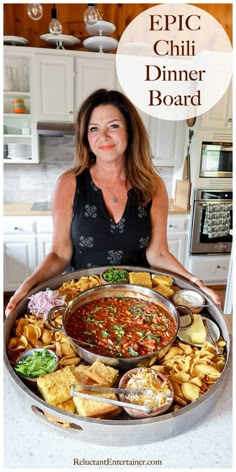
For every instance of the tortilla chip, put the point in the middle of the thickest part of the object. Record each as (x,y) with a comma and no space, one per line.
(190,391)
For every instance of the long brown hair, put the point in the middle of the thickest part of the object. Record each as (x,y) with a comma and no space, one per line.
(138,163)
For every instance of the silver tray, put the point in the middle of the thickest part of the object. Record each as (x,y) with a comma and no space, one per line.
(120,432)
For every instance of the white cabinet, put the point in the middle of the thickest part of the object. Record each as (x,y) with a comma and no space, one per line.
(19,122)
(177,246)
(44,242)
(177,235)
(19,259)
(167,140)
(27,240)
(212,269)
(54,76)
(219,116)
(62,80)
(44,236)
(94,72)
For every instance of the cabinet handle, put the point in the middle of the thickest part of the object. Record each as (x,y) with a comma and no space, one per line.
(230,120)
(17,229)
(70,112)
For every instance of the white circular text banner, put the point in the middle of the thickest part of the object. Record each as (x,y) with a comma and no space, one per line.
(174,61)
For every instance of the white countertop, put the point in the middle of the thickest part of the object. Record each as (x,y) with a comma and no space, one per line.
(30,443)
(24,209)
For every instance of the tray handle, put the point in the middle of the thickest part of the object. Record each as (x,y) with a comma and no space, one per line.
(185,311)
(50,316)
(60,422)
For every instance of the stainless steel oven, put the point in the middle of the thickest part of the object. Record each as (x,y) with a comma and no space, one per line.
(216,160)
(212,222)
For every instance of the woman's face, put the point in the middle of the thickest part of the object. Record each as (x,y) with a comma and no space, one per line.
(107,134)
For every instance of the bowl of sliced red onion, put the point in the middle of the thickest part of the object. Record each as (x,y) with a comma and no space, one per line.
(42,302)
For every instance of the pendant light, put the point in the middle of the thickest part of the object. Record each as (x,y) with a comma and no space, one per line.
(55,26)
(91,15)
(35,11)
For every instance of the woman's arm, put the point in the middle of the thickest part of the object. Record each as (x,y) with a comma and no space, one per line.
(61,250)
(158,254)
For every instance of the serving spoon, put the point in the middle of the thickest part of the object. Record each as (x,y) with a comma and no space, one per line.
(87,396)
(209,335)
(125,391)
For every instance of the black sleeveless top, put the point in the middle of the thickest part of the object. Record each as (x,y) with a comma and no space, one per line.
(97,240)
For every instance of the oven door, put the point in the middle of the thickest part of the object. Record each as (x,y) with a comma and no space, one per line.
(211,228)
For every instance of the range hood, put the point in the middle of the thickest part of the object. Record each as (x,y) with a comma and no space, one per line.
(45,128)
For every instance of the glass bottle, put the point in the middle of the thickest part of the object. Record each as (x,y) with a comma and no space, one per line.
(15,78)
(8,80)
(24,79)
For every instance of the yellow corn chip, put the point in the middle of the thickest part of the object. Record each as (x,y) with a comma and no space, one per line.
(190,391)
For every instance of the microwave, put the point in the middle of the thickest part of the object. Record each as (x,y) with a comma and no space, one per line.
(216,160)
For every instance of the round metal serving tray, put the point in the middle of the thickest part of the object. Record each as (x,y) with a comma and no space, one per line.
(120,432)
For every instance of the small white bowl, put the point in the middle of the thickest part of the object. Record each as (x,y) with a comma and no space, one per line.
(189,298)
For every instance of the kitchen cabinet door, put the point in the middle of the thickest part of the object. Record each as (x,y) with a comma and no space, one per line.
(19,130)
(219,116)
(44,242)
(177,243)
(94,72)
(19,259)
(212,269)
(54,76)
(167,140)
(177,235)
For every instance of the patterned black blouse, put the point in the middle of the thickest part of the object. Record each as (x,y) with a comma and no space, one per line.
(97,240)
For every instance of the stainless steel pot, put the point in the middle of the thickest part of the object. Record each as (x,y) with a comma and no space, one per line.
(127,290)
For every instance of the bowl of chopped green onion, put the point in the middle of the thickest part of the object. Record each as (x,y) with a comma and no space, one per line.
(34,363)
(114,275)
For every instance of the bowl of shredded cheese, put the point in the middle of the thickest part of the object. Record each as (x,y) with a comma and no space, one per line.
(158,392)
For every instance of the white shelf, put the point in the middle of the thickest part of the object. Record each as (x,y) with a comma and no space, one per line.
(17,115)
(16,93)
(18,161)
(17,135)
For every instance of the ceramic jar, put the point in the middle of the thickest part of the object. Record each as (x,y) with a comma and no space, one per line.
(18,105)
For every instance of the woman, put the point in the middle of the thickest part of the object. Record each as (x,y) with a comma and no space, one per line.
(112,207)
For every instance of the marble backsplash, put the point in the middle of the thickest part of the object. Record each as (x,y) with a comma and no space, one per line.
(35,182)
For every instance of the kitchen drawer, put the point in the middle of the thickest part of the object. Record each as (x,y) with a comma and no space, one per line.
(211,269)
(19,225)
(177,223)
(44,224)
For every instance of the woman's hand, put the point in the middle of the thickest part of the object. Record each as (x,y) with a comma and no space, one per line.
(211,293)
(208,291)
(20,293)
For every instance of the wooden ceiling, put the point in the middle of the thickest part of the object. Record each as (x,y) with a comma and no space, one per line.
(17,22)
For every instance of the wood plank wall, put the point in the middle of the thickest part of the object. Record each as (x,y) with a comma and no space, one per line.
(17,22)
